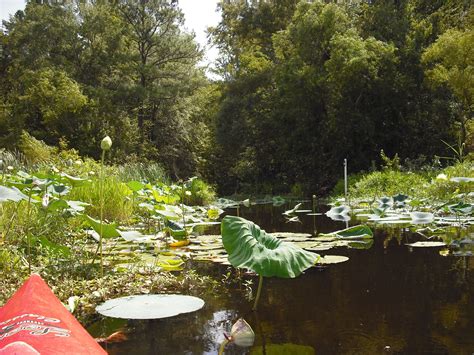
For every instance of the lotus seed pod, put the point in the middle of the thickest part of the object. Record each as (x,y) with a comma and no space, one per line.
(106,143)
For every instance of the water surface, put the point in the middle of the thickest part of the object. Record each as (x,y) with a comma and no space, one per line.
(387,299)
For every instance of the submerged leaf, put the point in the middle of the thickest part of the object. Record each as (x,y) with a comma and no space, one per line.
(250,247)
(282,349)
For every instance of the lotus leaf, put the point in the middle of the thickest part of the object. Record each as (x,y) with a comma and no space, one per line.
(11,194)
(427,244)
(150,306)
(332,259)
(421,217)
(285,235)
(250,247)
(356,232)
(338,210)
(133,236)
(459,179)
(463,208)
(74,181)
(292,211)
(135,185)
(108,230)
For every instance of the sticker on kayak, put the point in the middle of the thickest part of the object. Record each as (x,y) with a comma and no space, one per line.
(34,324)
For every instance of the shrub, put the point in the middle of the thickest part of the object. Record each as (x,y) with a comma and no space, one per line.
(443,188)
(388,183)
(201,193)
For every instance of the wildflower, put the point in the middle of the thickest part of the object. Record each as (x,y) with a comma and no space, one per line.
(45,200)
(441,177)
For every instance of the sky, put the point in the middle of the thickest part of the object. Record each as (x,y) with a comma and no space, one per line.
(199,15)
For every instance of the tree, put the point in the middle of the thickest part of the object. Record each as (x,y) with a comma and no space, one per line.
(450,62)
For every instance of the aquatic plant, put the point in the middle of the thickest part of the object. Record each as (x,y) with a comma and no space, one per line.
(252,248)
(149,306)
(105,145)
(241,334)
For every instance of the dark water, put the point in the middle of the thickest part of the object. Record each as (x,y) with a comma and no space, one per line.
(384,300)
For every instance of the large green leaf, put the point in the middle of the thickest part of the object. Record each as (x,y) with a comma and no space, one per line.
(11,194)
(250,247)
(108,230)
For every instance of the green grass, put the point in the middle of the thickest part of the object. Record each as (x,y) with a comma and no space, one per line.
(118,205)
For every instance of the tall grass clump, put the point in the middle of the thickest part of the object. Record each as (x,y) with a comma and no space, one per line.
(34,150)
(118,207)
(142,171)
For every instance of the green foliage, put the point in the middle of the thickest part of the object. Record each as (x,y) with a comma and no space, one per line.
(443,189)
(118,206)
(142,171)
(315,83)
(125,68)
(388,183)
(252,248)
(450,62)
(390,164)
(201,193)
(33,150)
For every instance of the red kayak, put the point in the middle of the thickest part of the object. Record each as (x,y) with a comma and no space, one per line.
(34,321)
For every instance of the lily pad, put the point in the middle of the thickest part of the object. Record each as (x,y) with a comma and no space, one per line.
(149,306)
(421,217)
(332,259)
(135,236)
(459,179)
(321,247)
(427,244)
(250,247)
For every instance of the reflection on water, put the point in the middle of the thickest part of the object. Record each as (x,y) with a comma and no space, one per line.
(385,299)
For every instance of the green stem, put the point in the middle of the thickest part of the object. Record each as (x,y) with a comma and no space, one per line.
(259,291)
(101,198)
(222,347)
(28,239)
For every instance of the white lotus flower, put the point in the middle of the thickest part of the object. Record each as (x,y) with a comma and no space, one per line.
(106,143)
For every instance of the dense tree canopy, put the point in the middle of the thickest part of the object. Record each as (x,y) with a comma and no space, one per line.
(321,82)
(303,85)
(82,70)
